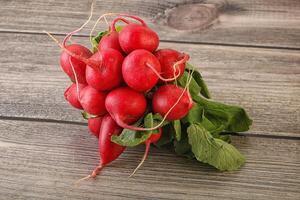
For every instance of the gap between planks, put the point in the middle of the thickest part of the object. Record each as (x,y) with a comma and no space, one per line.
(245,134)
(170,41)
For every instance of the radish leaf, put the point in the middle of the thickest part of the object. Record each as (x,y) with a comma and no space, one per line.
(213,151)
(177,129)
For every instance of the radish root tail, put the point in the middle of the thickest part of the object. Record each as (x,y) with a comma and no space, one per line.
(112,26)
(134,17)
(65,49)
(160,77)
(143,159)
(69,35)
(97,21)
(76,183)
(185,58)
(95,172)
(176,70)
(94,64)
(76,79)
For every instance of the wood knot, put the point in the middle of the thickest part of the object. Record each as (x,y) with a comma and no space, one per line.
(192,16)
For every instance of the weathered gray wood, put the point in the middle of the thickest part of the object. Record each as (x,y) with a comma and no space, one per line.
(240,22)
(265,82)
(42,160)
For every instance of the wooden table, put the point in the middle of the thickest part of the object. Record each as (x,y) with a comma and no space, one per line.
(248,52)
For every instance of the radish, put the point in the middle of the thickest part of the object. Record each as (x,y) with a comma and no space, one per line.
(136,36)
(153,138)
(140,70)
(170,101)
(76,49)
(71,95)
(125,105)
(172,62)
(94,125)
(108,150)
(79,66)
(109,75)
(76,55)
(166,96)
(111,40)
(93,101)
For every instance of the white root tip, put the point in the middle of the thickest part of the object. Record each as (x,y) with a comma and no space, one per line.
(143,159)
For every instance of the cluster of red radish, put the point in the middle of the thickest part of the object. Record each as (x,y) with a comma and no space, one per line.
(111,84)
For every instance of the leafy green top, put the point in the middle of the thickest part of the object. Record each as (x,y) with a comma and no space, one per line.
(201,134)
(212,150)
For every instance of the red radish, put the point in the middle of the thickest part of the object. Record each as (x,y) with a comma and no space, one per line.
(139,70)
(135,36)
(125,105)
(111,40)
(94,125)
(109,75)
(76,55)
(93,101)
(108,150)
(153,138)
(79,66)
(167,100)
(166,96)
(71,95)
(172,62)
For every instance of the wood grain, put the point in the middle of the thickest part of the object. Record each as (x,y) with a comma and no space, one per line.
(42,160)
(266,82)
(239,22)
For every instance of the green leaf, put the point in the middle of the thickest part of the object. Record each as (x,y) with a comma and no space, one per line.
(194,115)
(177,129)
(157,118)
(131,138)
(198,78)
(119,28)
(194,88)
(225,138)
(166,137)
(96,39)
(215,127)
(234,118)
(213,151)
(182,147)
(86,115)
(212,124)
(148,122)
(153,120)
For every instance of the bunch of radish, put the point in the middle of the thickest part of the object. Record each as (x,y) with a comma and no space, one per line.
(132,92)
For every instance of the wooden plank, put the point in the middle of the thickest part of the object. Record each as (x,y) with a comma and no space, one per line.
(238,22)
(266,82)
(42,160)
